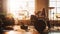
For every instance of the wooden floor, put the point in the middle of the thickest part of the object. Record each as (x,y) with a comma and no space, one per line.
(31,30)
(18,30)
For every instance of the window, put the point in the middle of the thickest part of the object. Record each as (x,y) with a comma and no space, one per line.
(54,14)
(21,9)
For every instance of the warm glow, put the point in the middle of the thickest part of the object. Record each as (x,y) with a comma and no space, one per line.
(20,9)
(11,32)
(18,32)
(16,27)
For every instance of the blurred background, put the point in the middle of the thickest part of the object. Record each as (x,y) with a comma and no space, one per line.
(29,16)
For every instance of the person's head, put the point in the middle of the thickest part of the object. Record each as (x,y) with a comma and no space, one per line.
(33,17)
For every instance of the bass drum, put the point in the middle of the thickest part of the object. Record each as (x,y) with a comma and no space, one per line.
(40,25)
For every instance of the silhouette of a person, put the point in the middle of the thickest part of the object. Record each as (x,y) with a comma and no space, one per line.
(39,25)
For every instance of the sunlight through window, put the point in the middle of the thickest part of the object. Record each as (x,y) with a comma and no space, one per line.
(54,14)
(21,9)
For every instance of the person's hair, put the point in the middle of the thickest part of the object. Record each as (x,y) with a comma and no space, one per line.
(33,17)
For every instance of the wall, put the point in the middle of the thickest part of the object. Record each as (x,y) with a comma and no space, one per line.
(40,4)
(1,10)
